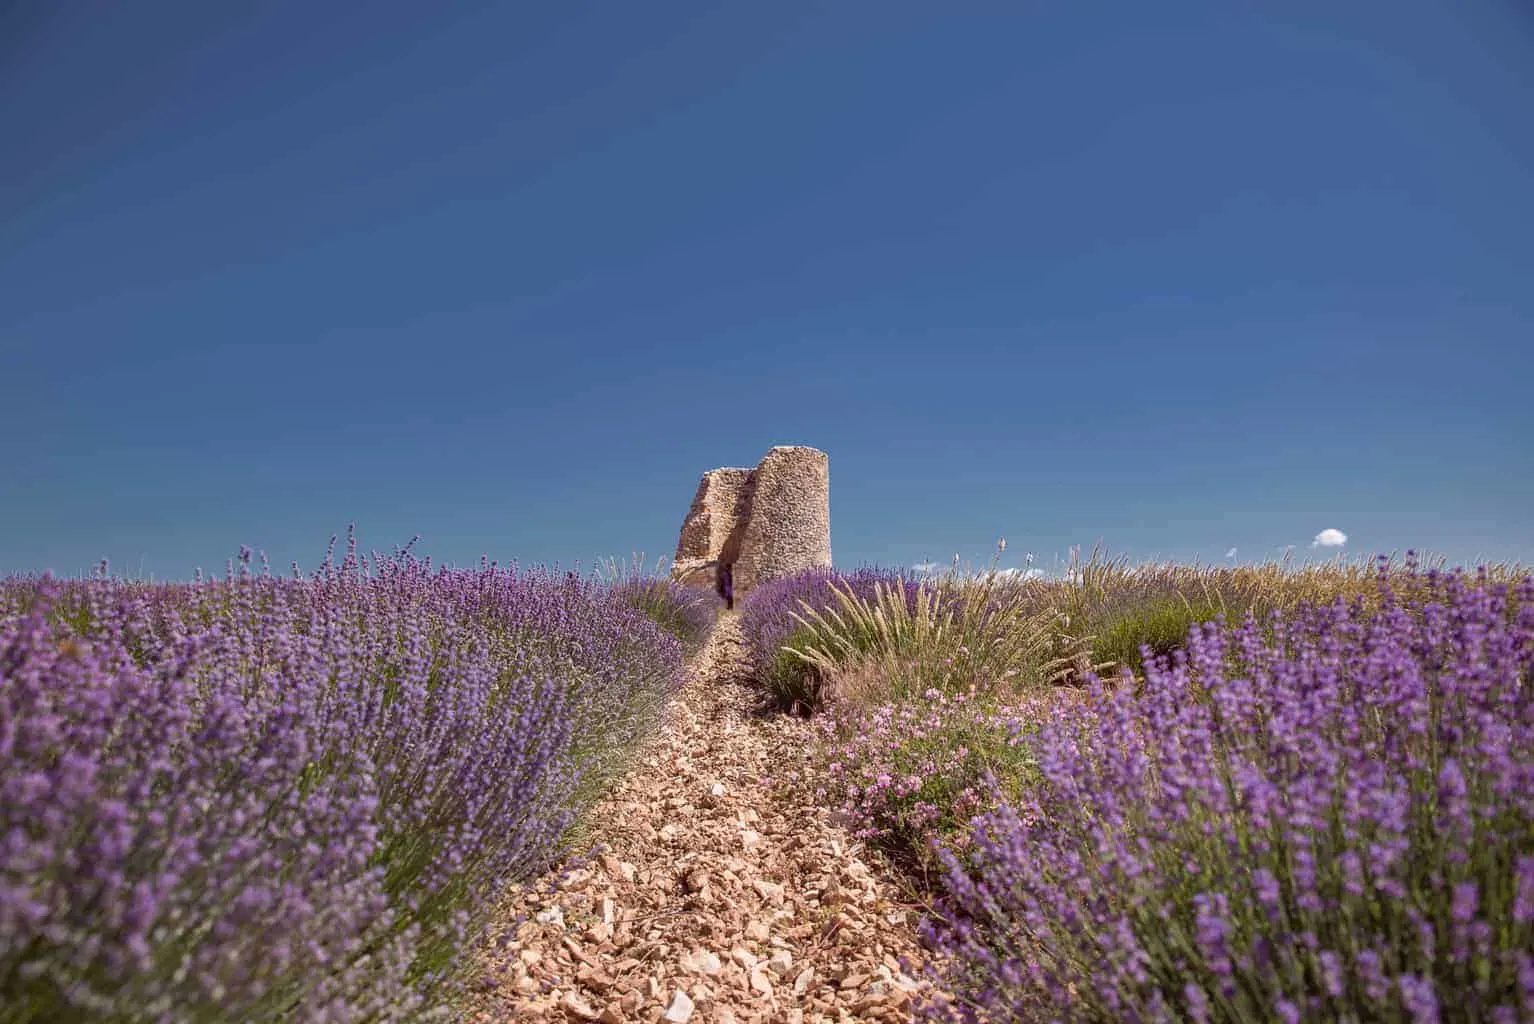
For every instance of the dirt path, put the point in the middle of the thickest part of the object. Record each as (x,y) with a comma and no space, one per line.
(725,894)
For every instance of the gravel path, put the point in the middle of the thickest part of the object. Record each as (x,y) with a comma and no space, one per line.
(725,893)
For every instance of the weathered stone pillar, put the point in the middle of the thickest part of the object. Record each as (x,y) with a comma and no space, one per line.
(768,522)
(788,527)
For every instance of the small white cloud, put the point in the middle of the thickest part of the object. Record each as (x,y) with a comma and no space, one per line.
(1329,539)
(1231,553)
(1035,574)
(926,567)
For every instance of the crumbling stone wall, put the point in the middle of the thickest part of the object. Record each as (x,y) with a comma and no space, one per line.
(768,522)
(712,524)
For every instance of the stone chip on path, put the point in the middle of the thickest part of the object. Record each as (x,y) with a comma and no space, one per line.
(680,1010)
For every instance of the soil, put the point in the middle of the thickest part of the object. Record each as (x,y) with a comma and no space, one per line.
(724,890)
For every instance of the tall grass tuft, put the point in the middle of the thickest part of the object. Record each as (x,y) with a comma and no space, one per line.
(983,637)
(988,632)
(769,623)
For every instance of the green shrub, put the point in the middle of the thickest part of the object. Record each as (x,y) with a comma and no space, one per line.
(1161,624)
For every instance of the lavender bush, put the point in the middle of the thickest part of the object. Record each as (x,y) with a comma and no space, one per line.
(687,613)
(260,798)
(1330,819)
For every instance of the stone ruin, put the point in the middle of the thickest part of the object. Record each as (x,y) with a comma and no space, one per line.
(767,523)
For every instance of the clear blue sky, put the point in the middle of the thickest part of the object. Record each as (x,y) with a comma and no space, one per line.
(1185,276)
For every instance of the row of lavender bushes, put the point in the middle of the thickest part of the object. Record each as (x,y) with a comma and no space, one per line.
(1324,811)
(264,798)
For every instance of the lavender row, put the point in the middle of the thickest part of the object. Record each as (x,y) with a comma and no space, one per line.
(1325,816)
(263,798)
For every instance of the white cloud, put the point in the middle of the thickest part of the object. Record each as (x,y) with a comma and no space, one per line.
(1329,539)
(1021,573)
(1231,553)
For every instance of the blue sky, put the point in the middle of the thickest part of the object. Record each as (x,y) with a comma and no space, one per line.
(1182,276)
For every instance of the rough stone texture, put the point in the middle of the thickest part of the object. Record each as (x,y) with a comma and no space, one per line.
(788,527)
(723,892)
(713,522)
(769,522)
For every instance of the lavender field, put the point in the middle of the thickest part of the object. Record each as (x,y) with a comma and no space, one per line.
(1130,794)
(265,798)
(1310,797)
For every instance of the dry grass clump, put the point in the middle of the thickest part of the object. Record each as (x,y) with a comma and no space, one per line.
(986,637)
